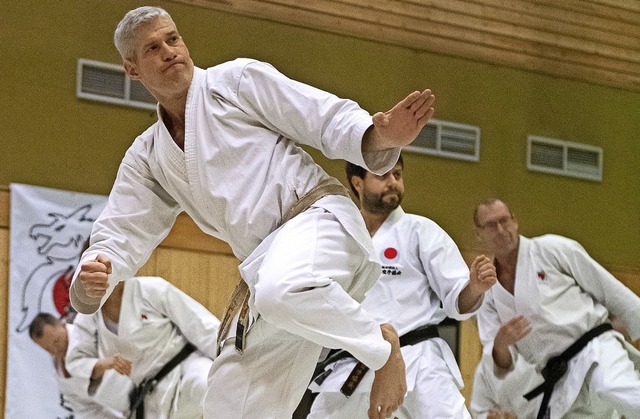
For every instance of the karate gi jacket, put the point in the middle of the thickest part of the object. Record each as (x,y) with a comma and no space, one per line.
(156,322)
(564,293)
(75,391)
(423,274)
(241,170)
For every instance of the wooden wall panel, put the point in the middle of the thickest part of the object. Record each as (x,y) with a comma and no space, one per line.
(4,207)
(208,278)
(150,268)
(595,41)
(470,354)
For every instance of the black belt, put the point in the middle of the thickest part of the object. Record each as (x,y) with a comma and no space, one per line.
(139,392)
(557,367)
(411,338)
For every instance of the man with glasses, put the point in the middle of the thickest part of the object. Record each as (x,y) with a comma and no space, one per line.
(551,306)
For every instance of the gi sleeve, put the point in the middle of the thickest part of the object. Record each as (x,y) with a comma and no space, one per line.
(139,214)
(597,281)
(82,352)
(482,397)
(445,269)
(307,115)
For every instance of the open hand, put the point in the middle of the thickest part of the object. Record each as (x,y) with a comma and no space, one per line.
(401,125)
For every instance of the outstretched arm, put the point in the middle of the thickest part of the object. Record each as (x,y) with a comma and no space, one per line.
(401,125)
(390,382)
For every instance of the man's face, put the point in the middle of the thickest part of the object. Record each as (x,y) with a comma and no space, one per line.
(381,194)
(497,228)
(54,339)
(161,59)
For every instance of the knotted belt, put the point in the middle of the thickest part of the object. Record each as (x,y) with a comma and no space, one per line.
(139,392)
(240,297)
(357,374)
(557,367)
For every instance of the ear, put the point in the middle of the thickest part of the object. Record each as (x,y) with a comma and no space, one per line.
(357,182)
(130,69)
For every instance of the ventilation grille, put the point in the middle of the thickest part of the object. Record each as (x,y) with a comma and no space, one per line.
(448,139)
(104,82)
(564,158)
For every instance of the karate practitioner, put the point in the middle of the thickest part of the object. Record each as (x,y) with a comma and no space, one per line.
(143,324)
(225,150)
(552,294)
(52,335)
(424,280)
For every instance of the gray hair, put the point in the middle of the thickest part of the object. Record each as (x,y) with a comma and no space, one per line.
(124,35)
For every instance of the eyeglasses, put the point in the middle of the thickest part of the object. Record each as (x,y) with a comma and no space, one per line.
(493,225)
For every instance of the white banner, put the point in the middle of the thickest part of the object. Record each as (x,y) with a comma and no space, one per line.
(48,230)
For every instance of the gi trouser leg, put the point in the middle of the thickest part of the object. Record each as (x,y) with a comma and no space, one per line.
(302,297)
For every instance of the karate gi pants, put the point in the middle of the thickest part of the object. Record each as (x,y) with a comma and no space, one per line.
(434,395)
(613,384)
(183,400)
(315,260)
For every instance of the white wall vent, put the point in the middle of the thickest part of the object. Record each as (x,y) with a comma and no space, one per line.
(448,139)
(105,82)
(565,158)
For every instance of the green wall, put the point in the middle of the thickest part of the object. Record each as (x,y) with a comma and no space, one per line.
(51,138)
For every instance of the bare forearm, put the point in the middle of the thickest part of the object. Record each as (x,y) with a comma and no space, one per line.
(371,141)
(469,299)
(502,357)
(98,370)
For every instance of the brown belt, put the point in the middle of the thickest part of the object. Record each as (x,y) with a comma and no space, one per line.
(240,296)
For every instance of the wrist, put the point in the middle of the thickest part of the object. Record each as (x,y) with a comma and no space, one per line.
(390,334)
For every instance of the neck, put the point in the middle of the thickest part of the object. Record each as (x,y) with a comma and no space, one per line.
(506,269)
(174,120)
(111,307)
(373,220)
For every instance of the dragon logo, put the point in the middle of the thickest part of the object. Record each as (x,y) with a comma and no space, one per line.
(60,243)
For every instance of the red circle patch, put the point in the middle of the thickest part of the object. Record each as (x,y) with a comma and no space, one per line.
(390,253)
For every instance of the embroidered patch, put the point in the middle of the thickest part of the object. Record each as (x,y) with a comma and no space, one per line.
(390,253)
(390,270)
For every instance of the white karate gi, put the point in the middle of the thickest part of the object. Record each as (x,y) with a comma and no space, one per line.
(75,391)
(422,269)
(240,172)
(505,393)
(156,322)
(564,293)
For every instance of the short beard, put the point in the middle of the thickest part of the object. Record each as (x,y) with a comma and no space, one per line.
(376,204)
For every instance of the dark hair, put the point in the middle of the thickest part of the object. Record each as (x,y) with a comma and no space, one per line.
(36,328)
(352,170)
